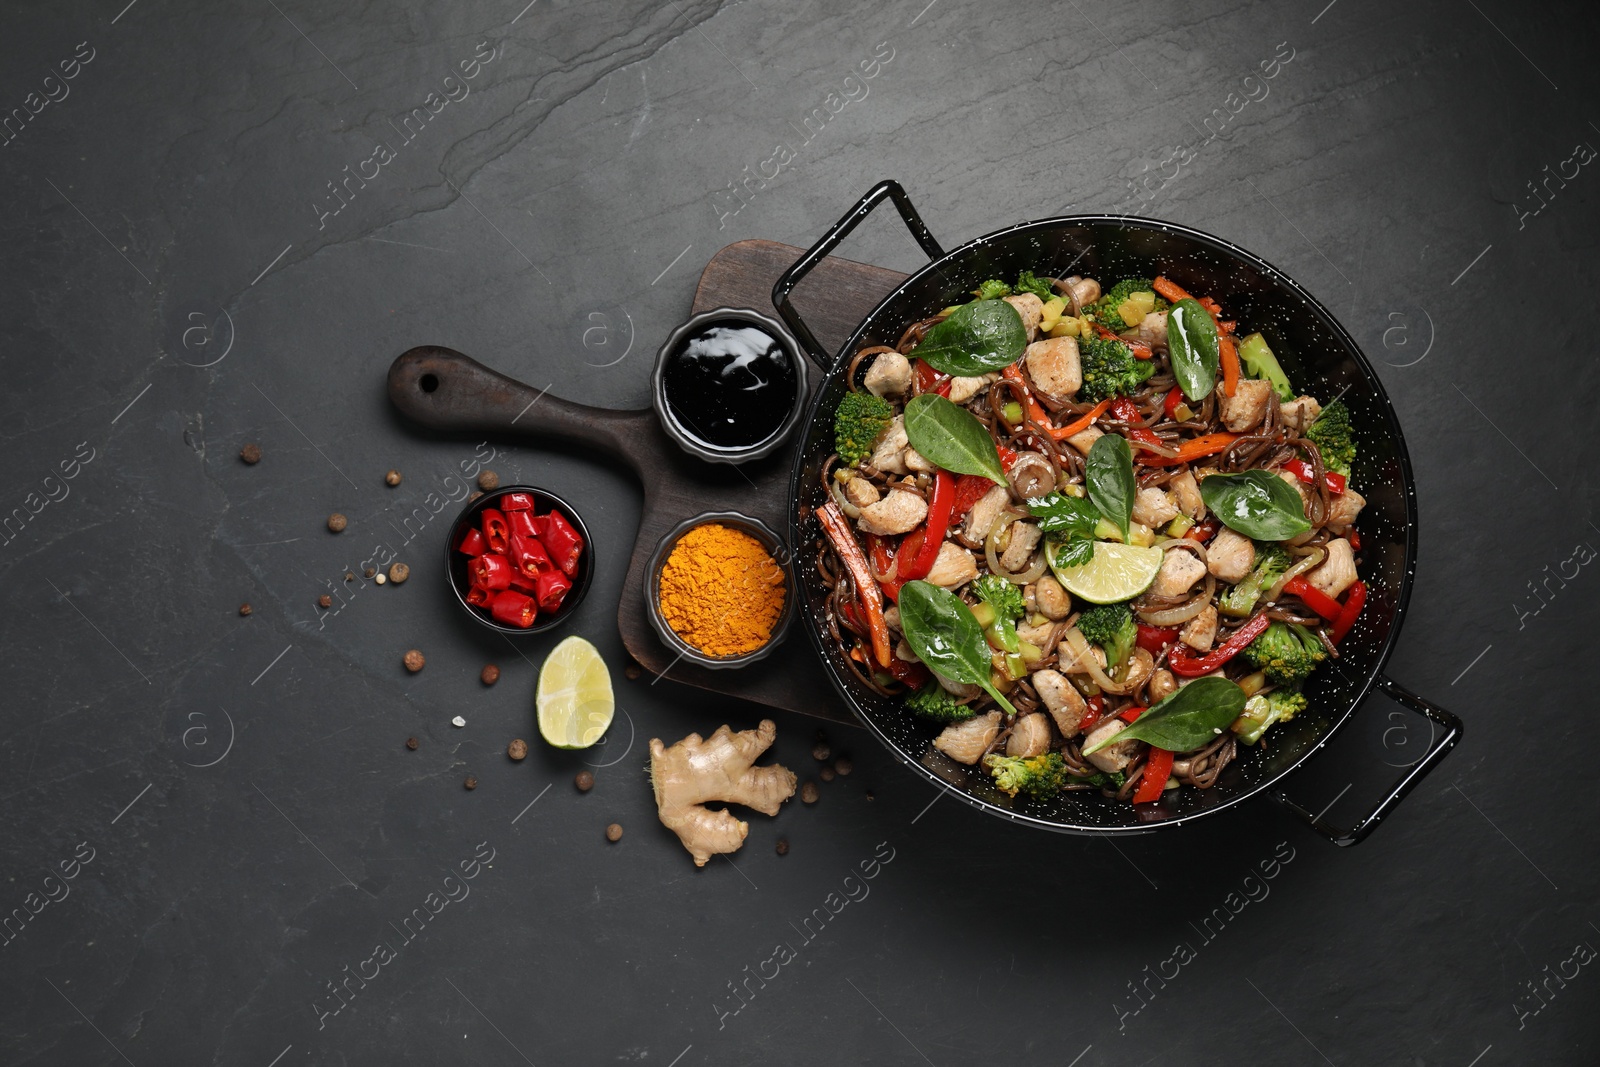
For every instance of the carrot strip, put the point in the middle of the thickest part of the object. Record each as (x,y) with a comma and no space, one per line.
(1230,363)
(1082,424)
(1036,410)
(837,527)
(1139,349)
(1208,445)
(1170,290)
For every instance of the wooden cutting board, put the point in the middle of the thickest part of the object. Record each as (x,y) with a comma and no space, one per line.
(446,390)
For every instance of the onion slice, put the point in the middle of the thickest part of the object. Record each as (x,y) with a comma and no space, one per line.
(1311,559)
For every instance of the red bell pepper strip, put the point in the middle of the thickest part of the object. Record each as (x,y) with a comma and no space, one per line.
(1315,599)
(837,527)
(552,586)
(1125,410)
(1303,470)
(1130,714)
(1008,456)
(911,674)
(495,531)
(930,380)
(562,542)
(1157,769)
(472,543)
(513,609)
(522,523)
(1205,531)
(1170,405)
(1354,537)
(910,545)
(478,596)
(1097,709)
(882,560)
(970,488)
(944,494)
(491,571)
(1352,609)
(516,502)
(1183,662)
(1155,638)
(530,556)
(1192,449)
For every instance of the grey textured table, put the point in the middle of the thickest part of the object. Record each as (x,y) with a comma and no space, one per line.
(222,222)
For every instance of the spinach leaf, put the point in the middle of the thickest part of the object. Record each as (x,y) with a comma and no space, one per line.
(1189,718)
(942,632)
(1074,552)
(1257,503)
(1192,345)
(979,337)
(951,437)
(1108,472)
(1059,513)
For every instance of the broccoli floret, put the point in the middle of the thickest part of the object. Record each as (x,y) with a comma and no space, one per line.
(1039,287)
(933,702)
(1259,362)
(1005,599)
(1287,652)
(1271,563)
(1104,310)
(859,421)
(1038,776)
(993,289)
(1110,369)
(1110,626)
(1331,434)
(1262,710)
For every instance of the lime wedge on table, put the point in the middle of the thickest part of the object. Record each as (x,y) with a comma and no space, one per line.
(1117,572)
(575,704)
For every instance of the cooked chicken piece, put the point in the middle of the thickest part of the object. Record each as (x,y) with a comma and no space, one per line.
(1024,539)
(1054,601)
(916,464)
(981,519)
(959,690)
(1336,573)
(1151,330)
(1344,507)
(1230,555)
(1306,406)
(1054,367)
(1245,409)
(889,375)
(1300,487)
(889,455)
(1069,662)
(1082,291)
(964,389)
(1199,632)
(1030,308)
(1154,507)
(1030,736)
(906,652)
(966,742)
(861,492)
(1061,699)
(1084,439)
(1037,636)
(1112,758)
(896,513)
(1187,492)
(891,618)
(1162,685)
(1179,571)
(954,566)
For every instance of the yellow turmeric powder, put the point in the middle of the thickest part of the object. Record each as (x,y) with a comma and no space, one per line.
(721,590)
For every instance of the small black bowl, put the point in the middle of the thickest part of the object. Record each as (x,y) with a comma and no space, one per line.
(455,563)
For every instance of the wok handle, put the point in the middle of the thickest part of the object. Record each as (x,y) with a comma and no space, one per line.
(1440,748)
(831,240)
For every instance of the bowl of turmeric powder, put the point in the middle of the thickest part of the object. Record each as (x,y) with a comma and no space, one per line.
(718,592)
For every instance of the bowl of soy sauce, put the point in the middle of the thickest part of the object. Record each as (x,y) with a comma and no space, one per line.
(730,385)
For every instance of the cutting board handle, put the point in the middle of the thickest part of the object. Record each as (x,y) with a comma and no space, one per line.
(450,391)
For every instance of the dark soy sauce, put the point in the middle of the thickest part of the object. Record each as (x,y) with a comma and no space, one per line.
(730,386)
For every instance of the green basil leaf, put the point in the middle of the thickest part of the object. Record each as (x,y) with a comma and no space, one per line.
(1108,472)
(1192,346)
(1074,552)
(1257,503)
(950,436)
(1059,513)
(979,337)
(1193,716)
(943,633)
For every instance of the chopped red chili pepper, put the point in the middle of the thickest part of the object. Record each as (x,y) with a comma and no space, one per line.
(1183,662)
(516,502)
(1157,769)
(472,543)
(564,544)
(552,586)
(1303,470)
(530,556)
(1155,638)
(513,609)
(495,530)
(1352,610)
(522,524)
(492,572)
(478,596)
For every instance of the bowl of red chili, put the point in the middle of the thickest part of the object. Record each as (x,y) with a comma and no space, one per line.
(519,559)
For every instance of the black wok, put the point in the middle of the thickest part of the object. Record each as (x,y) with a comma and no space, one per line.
(1320,357)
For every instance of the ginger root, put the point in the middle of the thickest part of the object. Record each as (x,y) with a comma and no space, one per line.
(696,770)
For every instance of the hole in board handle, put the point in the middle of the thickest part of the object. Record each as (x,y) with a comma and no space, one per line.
(429,382)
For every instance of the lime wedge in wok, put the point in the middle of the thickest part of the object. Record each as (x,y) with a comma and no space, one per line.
(1117,572)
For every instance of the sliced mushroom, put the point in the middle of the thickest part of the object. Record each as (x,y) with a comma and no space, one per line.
(1053,600)
(1031,475)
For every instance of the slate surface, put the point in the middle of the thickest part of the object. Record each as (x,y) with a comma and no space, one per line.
(232,795)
